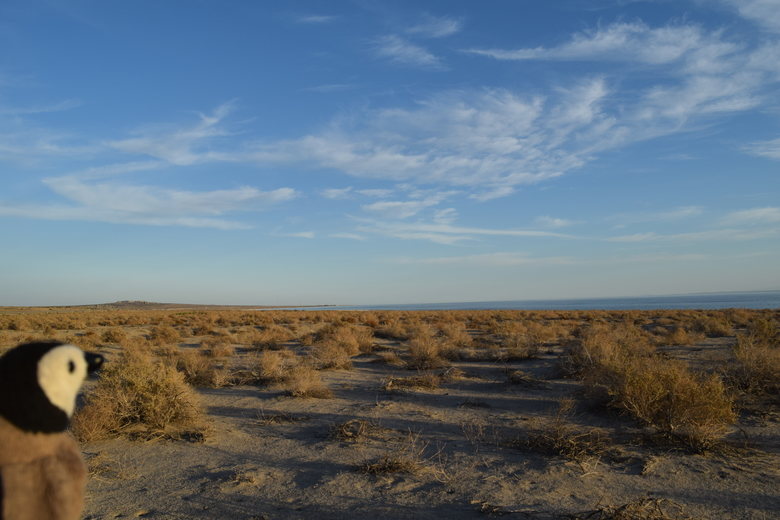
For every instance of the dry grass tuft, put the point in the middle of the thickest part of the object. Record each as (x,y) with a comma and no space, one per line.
(561,438)
(757,370)
(304,381)
(137,393)
(664,394)
(425,351)
(409,458)
(425,381)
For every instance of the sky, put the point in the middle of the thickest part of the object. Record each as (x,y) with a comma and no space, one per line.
(380,152)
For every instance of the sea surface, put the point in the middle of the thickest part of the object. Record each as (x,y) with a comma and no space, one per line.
(745,300)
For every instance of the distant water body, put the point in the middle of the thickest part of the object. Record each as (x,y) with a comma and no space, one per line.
(745,300)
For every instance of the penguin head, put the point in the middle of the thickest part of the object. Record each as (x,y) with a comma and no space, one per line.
(39,382)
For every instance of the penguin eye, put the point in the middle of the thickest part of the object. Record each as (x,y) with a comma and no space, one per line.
(71,366)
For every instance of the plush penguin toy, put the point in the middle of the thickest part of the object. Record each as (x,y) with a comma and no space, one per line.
(42,473)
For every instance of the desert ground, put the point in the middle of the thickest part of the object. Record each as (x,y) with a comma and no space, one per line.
(249,414)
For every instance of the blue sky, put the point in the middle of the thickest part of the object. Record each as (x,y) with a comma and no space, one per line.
(369,152)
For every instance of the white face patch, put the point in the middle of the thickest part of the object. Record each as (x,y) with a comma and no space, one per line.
(61,371)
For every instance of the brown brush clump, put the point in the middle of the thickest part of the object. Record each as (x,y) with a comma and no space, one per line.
(425,351)
(199,370)
(757,370)
(305,381)
(332,355)
(563,439)
(138,394)
(682,336)
(164,335)
(455,333)
(427,381)
(272,366)
(663,394)
(115,335)
(408,458)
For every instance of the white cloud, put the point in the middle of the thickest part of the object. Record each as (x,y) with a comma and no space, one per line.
(150,205)
(765,13)
(768,215)
(348,236)
(445,216)
(500,259)
(446,233)
(769,149)
(302,234)
(633,42)
(337,193)
(316,19)
(377,193)
(552,222)
(399,209)
(673,214)
(182,146)
(434,27)
(495,193)
(404,52)
(713,234)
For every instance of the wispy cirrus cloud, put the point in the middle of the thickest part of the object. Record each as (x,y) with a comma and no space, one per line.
(436,27)
(667,215)
(634,42)
(500,259)
(765,13)
(730,234)
(443,232)
(769,149)
(766,215)
(404,52)
(147,205)
(316,19)
(183,146)
(553,222)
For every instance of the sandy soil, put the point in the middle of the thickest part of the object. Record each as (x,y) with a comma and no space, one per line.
(269,456)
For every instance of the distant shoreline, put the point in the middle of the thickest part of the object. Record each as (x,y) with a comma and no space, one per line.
(768,299)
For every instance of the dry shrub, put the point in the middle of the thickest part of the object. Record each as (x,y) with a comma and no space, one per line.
(272,337)
(519,346)
(682,336)
(455,334)
(164,335)
(115,335)
(135,392)
(605,346)
(390,358)
(408,458)
(392,330)
(713,326)
(427,381)
(304,381)
(201,371)
(332,355)
(757,370)
(273,366)
(425,352)
(218,347)
(663,394)
(666,395)
(353,430)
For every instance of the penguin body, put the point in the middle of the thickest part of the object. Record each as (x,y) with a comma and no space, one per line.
(42,472)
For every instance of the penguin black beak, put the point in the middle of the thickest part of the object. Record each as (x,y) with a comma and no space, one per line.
(94,361)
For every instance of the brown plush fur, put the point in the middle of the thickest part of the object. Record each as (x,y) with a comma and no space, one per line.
(42,475)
